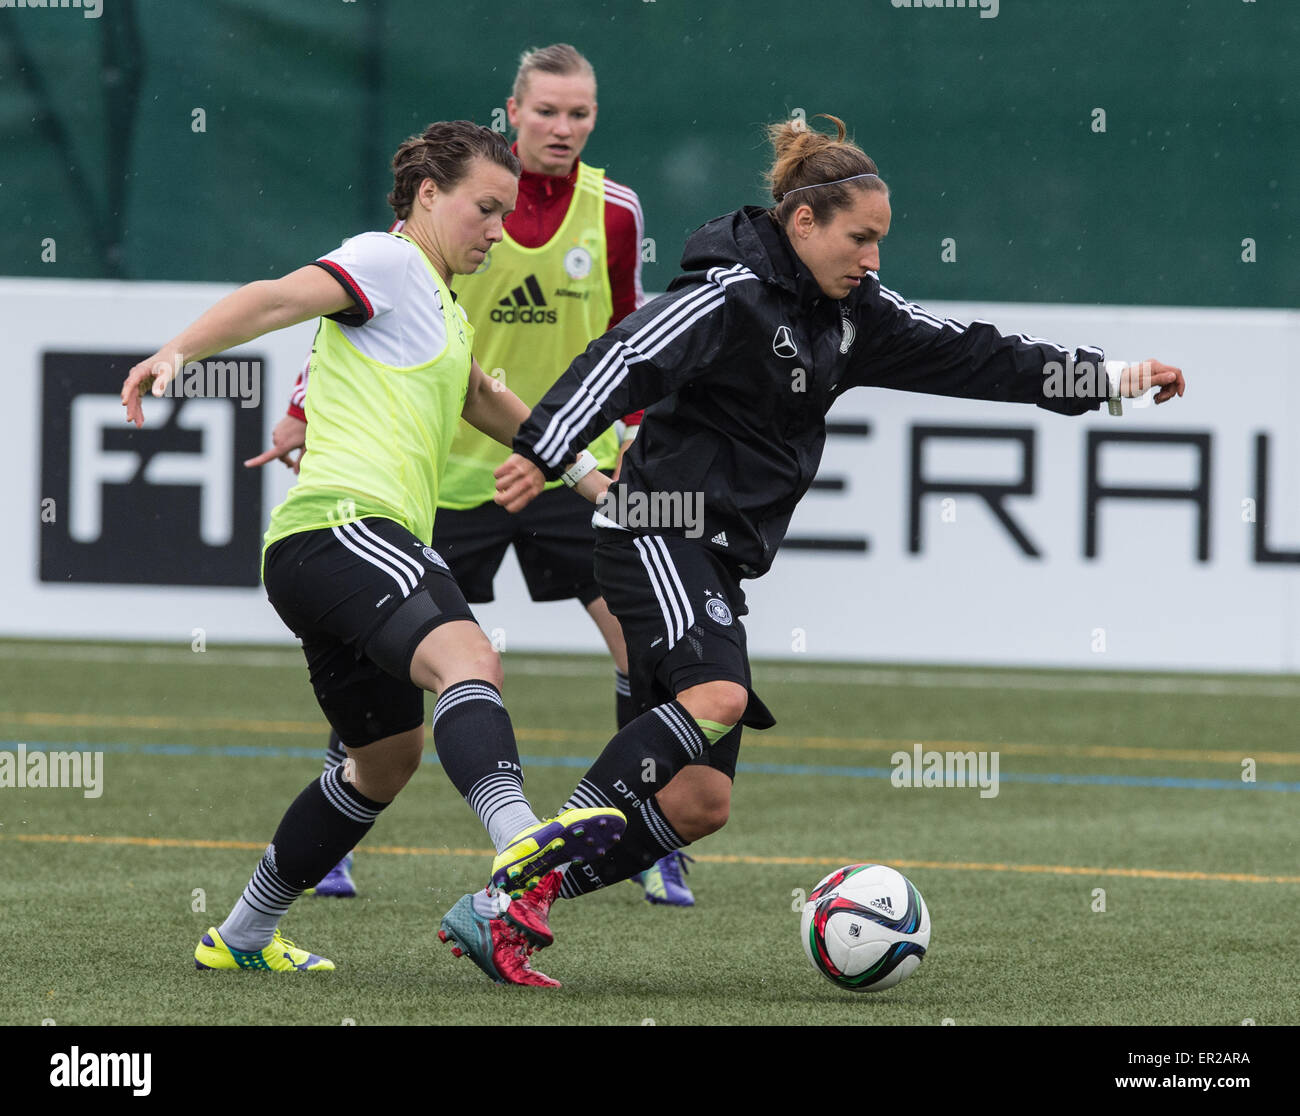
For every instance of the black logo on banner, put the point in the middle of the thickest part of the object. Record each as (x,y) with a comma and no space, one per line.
(169,504)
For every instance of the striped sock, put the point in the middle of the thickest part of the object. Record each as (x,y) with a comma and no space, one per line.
(648,838)
(476,747)
(643,757)
(325,822)
(640,760)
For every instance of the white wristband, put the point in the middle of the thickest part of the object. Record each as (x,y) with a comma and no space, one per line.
(584,465)
(1115,375)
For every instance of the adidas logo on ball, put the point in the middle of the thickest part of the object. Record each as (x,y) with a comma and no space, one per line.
(852,934)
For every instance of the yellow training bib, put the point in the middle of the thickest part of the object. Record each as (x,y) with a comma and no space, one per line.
(377,436)
(535,309)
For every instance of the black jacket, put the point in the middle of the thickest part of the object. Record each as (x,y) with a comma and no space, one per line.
(737,366)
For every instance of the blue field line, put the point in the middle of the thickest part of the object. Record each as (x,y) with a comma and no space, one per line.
(301,751)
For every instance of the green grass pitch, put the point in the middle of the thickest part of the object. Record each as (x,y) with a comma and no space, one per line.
(1117,791)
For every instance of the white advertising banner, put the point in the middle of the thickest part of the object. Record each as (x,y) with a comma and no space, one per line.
(939,530)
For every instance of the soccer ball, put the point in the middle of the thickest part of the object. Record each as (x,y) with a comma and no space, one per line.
(865,927)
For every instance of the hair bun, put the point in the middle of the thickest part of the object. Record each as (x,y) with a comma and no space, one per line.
(806,157)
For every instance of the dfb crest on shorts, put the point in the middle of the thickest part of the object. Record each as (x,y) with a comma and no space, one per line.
(717,609)
(434,557)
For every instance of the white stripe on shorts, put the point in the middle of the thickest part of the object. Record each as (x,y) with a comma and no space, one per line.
(403,559)
(669,605)
(405,582)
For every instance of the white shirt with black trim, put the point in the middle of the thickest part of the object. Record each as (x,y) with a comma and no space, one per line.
(397,319)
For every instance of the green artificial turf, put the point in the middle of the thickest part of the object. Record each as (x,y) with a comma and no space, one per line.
(202,753)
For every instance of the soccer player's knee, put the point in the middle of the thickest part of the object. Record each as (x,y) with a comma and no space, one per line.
(704,812)
(441,664)
(407,764)
(724,702)
(384,771)
(487,666)
(714,810)
(477,658)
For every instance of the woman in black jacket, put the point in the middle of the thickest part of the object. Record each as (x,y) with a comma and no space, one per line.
(779,312)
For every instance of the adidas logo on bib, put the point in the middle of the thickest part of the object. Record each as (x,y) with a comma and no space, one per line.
(525,304)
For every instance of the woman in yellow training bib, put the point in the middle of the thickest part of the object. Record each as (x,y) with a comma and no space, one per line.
(568,268)
(348,563)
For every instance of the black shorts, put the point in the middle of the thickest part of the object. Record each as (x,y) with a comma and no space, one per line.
(680,608)
(361,597)
(552,537)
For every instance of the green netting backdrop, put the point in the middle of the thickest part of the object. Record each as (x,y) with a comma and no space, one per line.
(983,128)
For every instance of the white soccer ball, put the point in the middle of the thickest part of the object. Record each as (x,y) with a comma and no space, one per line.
(865,927)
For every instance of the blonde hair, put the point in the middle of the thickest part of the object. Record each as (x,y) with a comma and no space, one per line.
(559,58)
(805,158)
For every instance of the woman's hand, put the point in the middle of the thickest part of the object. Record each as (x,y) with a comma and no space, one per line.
(1138,379)
(287,439)
(151,375)
(249,312)
(519,481)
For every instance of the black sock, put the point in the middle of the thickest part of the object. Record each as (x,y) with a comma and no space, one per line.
(647,839)
(641,759)
(476,747)
(624,710)
(324,823)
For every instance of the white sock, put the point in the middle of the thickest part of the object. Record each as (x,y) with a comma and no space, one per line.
(508,820)
(490,906)
(248,929)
